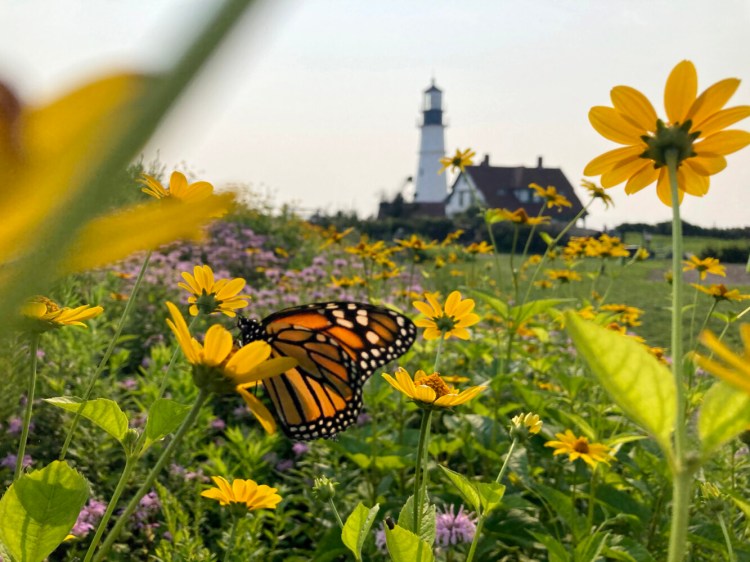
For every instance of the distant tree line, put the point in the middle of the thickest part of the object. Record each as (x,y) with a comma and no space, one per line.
(687,230)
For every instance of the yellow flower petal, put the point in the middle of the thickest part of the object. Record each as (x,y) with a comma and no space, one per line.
(693,183)
(680,91)
(611,125)
(635,107)
(610,159)
(712,100)
(218,345)
(706,165)
(623,171)
(645,177)
(259,410)
(723,143)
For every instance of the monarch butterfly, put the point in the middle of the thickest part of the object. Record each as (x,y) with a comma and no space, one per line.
(337,345)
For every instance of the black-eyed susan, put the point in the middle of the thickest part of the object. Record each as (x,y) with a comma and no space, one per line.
(580,448)
(179,188)
(458,161)
(414,242)
(524,425)
(729,366)
(721,293)
(519,216)
(430,391)
(563,275)
(332,236)
(452,237)
(597,192)
(551,196)
(479,248)
(208,295)
(246,492)
(694,130)
(704,266)
(217,364)
(44,314)
(451,321)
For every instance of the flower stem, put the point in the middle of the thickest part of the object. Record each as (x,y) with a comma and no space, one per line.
(33,348)
(505,462)
(124,477)
(232,538)
(438,354)
(336,513)
(149,481)
(420,472)
(105,358)
(730,551)
(682,474)
(592,500)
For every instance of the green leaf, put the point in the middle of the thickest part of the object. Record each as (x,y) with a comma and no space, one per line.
(561,504)
(490,495)
(465,487)
(164,417)
(100,411)
(547,238)
(520,314)
(489,298)
(39,509)
(357,527)
(590,548)
(428,521)
(641,386)
(724,414)
(556,551)
(405,546)
(385,462)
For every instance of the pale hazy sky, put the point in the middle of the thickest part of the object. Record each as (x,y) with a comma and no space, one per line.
(317,100)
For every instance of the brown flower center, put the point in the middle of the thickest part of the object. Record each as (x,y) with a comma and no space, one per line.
(435,383)
(581,445)
(51,305)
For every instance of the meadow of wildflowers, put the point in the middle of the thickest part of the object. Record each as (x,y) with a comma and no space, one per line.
(517,411)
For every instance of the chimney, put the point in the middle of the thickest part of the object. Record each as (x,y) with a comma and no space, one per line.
(539,162)
(486,160)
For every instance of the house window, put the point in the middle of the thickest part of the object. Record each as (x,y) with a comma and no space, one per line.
(523,195)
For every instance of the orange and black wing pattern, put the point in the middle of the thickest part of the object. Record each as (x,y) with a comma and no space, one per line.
(337,345)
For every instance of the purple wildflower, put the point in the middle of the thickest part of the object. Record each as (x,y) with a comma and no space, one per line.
(300,449)
(218,424)
(454,528)
(283,466)
(15,425)
(10,461)
(88,518)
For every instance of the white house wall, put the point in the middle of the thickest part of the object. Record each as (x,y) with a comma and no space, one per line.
(463,196)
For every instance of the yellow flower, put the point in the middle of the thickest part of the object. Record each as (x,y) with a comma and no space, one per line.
(459,161)
(543,284)
(416,243)
(519,216)
(551,196)
(721,293)
(562,275)
(430,390)
(217,364)
(531,422)
(704,266)
(46,314)
(209,296)
(179,188)
(580,448)
(694,128)
(730,367)
(629,315)
(332,236)
(246,492)
(346,282)
(453,321)
(597,192)
(479,248)
(641,254)
(452,237)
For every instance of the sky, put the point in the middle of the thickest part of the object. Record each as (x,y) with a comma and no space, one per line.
(315,103)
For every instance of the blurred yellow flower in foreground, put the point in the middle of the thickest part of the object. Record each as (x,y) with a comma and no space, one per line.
(209,296)
(694,129)
(48,153)
(580,448)
(46,314)
(179,188)
(731,367)
(452,321)
(430,390)
(247,492)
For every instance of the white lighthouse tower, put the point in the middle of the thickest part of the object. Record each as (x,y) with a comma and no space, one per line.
(431,187)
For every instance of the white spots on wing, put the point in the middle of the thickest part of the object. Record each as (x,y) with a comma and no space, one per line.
(372,337)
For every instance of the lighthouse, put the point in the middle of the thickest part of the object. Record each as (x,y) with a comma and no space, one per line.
(430,186)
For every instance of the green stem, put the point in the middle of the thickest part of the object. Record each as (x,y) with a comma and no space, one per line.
(33,348)
(124,477)
(336,513)
(421,468)
(513,272)
(730,551)
(175,355)
(151,477)
(505,462)
(691,373)
(498,268)
(682,473)
(592,500)
(232,538)
(438,354)
(105,358)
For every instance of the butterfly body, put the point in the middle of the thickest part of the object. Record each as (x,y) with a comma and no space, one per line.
(337,345)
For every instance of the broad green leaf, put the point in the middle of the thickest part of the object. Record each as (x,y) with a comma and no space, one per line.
(164,417)
(465,487)
(547,238)
(520,314)
(100,411)
(724,414)
(490,495)
(39,510)
(641,386)
(405,546)
(589,549)
(561,504)
(428,520)
(386,462)
(357,527)
(556,551)
(491,299)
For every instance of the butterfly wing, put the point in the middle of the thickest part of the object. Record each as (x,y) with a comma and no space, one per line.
(337,346)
